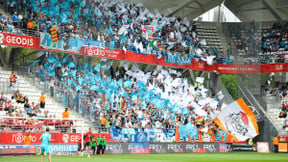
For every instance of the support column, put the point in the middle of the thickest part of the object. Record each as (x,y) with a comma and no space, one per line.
(2,58)
(192,75)
(149,67)
(8,54)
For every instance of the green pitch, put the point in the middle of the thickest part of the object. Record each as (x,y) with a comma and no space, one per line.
(196,157)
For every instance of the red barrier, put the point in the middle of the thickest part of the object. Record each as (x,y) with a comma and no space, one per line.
(283,138)
(59,138)
(195,65)
(17,151)
(19,40)
(34,42)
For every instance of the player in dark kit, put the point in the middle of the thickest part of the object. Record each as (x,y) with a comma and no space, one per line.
(87,142)
(103,144)
(99,144)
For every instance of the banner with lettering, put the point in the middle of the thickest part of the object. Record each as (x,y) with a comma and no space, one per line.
(69,45)
(127,148)
(139,148)
(19,40)
(63,149)
(146,135)
(59,138)
(97,49)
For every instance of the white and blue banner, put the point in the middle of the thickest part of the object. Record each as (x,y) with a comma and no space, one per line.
(141,135)
(55,149)
(67,44)
(178,59)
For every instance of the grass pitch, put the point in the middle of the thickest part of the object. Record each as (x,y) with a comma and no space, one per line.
(184,157)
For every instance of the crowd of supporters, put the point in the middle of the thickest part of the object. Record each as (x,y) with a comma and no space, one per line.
(283,114)
(246,37)
(126,97)
(267,44)
(276,38)
(133,27)
(120,25)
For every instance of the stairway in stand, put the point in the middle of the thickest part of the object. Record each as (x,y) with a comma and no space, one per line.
(273,110)
(26,88)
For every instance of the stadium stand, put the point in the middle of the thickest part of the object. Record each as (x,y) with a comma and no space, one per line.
(29,118)
(260,42)
(138,30)
(133,27)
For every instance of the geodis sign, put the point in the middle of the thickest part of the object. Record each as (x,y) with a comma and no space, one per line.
(19,40)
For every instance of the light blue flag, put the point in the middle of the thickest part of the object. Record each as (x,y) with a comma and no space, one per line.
(110,31)
(134,95)
(80,80)
(65,5)
(97,67)
(194,133)
(65,60)
(182,131)
(91,78)
(184,111)
(107,67)
(96,12)
(58,63)
(108,94)
(128,83)
(98,77)
(174,108)
(86,66)
(112,44)
(36,61)
(165,102)
(80,68)
(74,84)
(44,10)
(100,90)
(78,88)
(102,63)
(51,59)
(158,103)
(144,95)
(120,82)
(72,64)
(141,84)
(93,88)
(65,19)
(151,93)
(189,127)
(123,39)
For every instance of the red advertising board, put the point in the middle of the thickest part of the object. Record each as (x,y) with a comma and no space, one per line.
(283,138)
(195,65)
(59,138)
(17,151)
(19,40)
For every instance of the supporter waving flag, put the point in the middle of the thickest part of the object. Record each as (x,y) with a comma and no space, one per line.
(238,120)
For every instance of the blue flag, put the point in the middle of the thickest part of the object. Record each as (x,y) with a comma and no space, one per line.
(112,45)
(110,31)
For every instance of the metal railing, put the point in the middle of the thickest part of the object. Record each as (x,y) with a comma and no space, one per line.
(267,127)
(38,124)
(227,96)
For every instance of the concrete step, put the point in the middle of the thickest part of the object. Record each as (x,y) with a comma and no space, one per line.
(33,92)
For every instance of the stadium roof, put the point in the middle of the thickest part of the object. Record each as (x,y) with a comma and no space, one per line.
(245,10)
